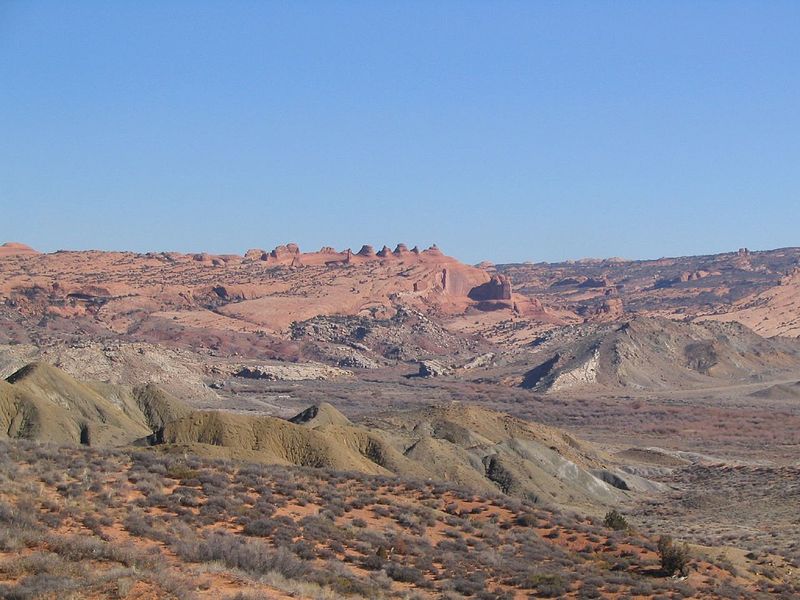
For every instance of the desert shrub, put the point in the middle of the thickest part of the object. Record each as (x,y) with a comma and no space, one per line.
(337,577)
(549,585)
(18,517)
(551,535)
(182,473)
(304,550)
(404,574)
(80,548)
(42,585)
(471,585)
(674,557)
(137,524)
(251,556)
(589,591)
(259,528)
(213,478)
(614,520)
(373,562)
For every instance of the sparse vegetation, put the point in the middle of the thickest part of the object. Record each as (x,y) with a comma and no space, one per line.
(269,529)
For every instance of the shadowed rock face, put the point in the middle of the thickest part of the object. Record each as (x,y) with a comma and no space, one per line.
(497,288)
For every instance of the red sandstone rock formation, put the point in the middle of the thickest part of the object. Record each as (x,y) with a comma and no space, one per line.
(497,288)
(182,295)
(256,254)
(15,249)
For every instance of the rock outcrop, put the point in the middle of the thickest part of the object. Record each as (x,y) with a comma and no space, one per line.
(239,303)
(294,372)
(432,368)
(657,353)
(256,254)
(497,288)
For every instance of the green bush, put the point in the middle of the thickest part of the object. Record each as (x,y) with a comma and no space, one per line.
(615,520)
(674,557)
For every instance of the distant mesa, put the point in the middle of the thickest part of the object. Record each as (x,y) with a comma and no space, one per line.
(257,294)
(16,249)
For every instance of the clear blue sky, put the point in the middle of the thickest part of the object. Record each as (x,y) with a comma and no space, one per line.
(506,131)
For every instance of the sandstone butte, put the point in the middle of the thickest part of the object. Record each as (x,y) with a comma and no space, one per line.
(16,249)
(259,291)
